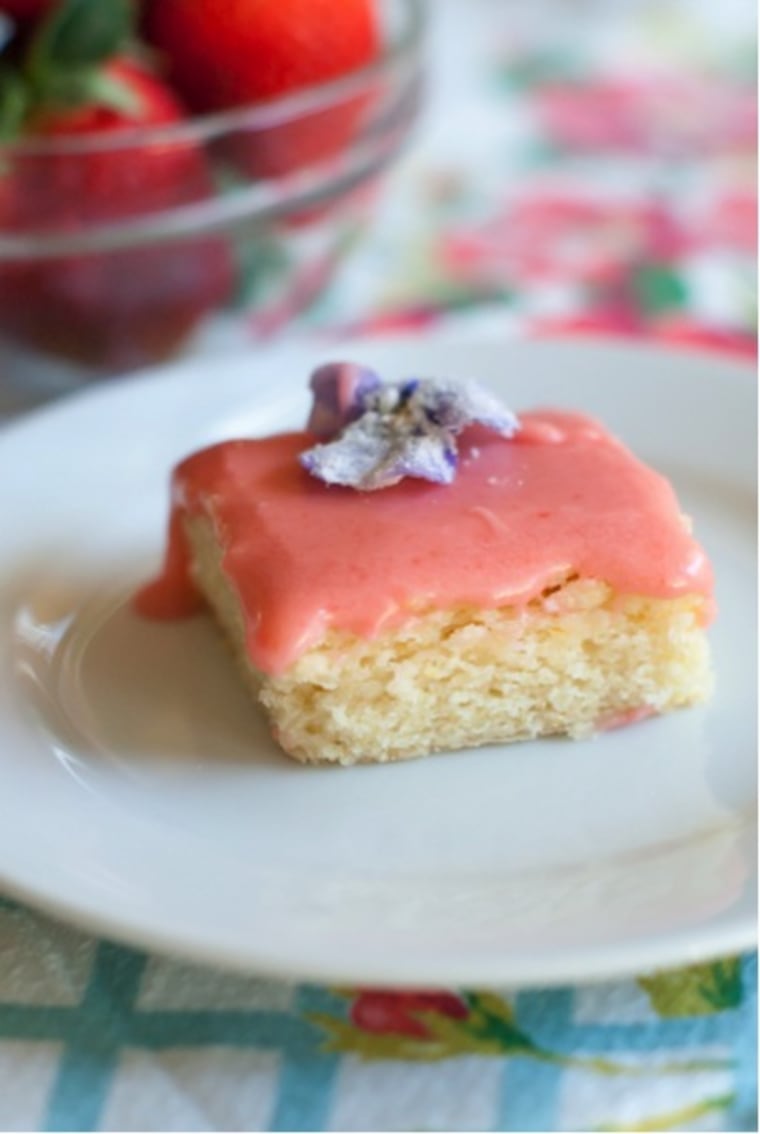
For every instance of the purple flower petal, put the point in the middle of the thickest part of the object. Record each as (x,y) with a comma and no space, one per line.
(455,405)
(339,389)
(427,457)
(370,455)
(352,458)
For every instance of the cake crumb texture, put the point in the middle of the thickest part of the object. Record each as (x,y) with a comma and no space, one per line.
(577,656)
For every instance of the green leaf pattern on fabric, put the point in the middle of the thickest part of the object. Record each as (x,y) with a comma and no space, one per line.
(658,288)
(677,1119)
(697,991)
(488,1028)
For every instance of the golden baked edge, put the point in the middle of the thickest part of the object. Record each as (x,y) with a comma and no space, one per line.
(576,660)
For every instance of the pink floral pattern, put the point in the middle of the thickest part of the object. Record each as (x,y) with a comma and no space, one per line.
(731,221)
(617,197)
(564,236)
(667,114)
(677,331)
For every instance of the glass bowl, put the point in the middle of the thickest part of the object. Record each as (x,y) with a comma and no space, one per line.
(115,248)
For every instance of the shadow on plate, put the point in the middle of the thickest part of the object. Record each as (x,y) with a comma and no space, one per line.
(105,684)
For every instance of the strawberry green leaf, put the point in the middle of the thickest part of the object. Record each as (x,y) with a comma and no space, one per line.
(14,103)
(80,33)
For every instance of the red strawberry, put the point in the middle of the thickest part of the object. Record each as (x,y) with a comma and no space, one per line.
(242,51)
(111,182)
(122,307)
(249,51)
(125,95)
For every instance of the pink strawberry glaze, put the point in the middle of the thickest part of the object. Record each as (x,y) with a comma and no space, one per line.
(561,496)
(625,717)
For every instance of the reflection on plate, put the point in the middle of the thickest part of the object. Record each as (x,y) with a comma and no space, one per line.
(142,795)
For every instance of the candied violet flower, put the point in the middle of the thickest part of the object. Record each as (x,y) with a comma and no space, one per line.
(339,389)
(385,432)
(371,454)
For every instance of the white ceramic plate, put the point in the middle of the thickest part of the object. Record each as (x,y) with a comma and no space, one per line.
(141,796)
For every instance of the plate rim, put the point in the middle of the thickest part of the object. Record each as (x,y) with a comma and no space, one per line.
(591,965)
(743,369)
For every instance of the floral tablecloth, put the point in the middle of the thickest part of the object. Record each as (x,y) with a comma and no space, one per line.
(582,167)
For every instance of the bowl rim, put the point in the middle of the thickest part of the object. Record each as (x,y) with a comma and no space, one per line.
(398,54)
(255,202)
